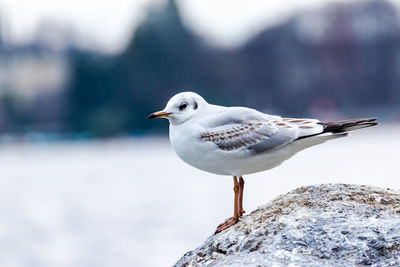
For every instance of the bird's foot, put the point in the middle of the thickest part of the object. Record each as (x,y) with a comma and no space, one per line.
(241,212)
(225,225)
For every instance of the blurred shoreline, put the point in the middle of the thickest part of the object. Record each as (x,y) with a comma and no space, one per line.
(46,138)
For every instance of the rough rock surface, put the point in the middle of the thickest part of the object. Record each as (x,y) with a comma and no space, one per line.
(322,225)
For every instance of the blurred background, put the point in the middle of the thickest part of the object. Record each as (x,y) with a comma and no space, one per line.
(86,180)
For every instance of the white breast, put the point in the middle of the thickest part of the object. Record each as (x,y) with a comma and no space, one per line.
(208,157)
(195,152)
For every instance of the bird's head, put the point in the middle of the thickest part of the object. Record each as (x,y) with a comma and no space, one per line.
(180,108)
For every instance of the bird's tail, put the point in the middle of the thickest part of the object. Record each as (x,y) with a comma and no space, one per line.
(332,130)
(347,125)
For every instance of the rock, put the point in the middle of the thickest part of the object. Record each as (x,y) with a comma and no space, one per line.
(322,225)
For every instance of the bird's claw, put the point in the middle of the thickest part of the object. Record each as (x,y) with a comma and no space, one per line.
(242,212)
(225,225)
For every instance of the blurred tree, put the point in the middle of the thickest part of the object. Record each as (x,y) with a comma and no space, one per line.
(162,58)
(93,105)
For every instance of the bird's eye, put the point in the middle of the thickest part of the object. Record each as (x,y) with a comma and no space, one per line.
(183,106)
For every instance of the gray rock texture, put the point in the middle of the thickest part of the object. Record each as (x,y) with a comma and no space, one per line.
(322,225)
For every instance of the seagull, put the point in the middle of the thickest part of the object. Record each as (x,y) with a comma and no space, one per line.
(237,141)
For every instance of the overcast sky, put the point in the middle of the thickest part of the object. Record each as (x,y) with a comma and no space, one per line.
(110,23)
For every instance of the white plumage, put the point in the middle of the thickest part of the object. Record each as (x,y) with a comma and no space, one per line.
(237,140)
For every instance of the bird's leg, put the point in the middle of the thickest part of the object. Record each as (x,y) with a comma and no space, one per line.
(241,189)
(236,213)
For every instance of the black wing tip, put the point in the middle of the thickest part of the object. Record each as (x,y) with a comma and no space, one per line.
(348,125)
(366,120)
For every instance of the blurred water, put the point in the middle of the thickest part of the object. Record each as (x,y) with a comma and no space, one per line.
(134,203)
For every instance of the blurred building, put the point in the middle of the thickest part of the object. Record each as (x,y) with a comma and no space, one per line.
(31,89)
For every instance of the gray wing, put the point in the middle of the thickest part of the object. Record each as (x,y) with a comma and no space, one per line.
(249,130)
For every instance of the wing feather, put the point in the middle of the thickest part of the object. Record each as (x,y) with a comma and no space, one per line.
(249,130)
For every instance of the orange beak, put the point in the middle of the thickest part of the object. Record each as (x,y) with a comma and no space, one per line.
(159,114)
